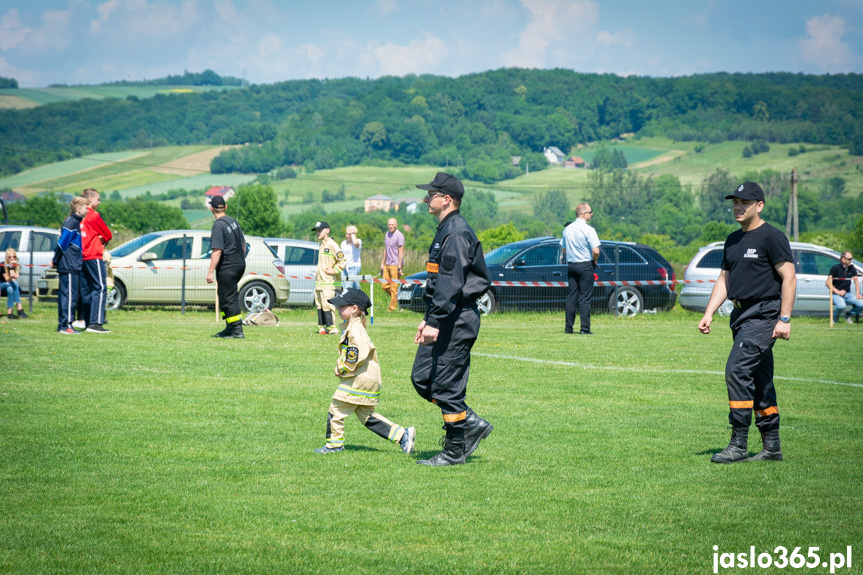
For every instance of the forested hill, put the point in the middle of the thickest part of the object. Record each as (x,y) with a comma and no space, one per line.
(478,120)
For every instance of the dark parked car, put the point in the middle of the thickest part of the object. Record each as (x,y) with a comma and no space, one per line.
(519,265)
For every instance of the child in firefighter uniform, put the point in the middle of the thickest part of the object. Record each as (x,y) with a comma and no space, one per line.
(360,375)
(331,261)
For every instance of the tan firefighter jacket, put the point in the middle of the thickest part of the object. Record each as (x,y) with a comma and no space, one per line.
(330,255)
(358,366)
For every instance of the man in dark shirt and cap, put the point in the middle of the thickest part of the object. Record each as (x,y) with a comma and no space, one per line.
(228,262)
(457,277)
(757,274)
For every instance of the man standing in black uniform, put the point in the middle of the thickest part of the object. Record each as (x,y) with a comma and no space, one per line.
(457,277)
(228,261)
(757,274)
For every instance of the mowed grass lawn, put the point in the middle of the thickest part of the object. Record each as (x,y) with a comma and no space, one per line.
(157,449)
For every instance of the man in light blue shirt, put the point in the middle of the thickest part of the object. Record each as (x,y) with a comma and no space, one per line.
(581,249)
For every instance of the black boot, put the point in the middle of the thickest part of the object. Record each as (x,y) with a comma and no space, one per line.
(224,333)
(771,450)
(23,315)
(737,447)
(475,431)
(234,330)
(453,450)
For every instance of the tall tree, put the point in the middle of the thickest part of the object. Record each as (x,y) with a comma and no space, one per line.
(257,209)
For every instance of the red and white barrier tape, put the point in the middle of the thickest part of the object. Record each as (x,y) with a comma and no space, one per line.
(410,282)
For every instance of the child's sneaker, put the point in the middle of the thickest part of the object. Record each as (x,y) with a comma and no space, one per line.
(322,331)
(326,449)
(69,331)
(407,441)
(79,324)
(333,330)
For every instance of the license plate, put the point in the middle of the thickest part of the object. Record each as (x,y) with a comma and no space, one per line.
(405,295)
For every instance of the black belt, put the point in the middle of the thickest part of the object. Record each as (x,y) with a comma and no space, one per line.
(747,303)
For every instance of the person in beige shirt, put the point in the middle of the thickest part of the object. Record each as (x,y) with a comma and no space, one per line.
(331,261)
(360,375)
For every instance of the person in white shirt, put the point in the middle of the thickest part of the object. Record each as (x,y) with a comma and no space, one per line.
(581,249)
(351,246)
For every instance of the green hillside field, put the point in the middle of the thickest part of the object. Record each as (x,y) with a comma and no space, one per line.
(134,173)
(40,96)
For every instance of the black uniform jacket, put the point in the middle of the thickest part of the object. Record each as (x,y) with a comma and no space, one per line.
(457,274)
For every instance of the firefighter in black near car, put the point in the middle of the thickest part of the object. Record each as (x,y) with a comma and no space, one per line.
(757,274)
(457,277)
(228,261)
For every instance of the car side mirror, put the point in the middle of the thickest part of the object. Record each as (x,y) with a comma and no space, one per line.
(519,263)
(148,256)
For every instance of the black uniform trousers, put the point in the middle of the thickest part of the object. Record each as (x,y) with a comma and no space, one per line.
(228,275)
(441,369)
(67,299)
(749,371)
(580,276)
(94,291)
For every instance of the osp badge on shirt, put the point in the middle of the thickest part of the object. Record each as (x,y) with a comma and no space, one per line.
(352,354)
(751,253)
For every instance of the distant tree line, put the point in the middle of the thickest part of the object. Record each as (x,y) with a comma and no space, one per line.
(475,123)
(8,83)
(205,78)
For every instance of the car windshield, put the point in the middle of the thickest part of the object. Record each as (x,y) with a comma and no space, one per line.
(132,245)
(500,255)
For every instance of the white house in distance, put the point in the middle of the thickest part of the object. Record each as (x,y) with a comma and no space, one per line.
(411,204)
(379,202)
(553,155)
(224,191)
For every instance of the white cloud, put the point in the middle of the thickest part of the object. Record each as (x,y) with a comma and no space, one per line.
(823,46)
(625,37)
(417,56)
(386,7)
(551,21)
(105,9)
(270,45)
(12,30)
(54,35)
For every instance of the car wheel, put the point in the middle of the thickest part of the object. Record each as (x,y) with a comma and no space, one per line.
(256,297)
(726,308)
(627,300)
(486,303)
(116,297)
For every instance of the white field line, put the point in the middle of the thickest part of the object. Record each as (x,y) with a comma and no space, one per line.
(642,370)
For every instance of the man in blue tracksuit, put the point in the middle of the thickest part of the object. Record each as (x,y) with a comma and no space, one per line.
(69,260)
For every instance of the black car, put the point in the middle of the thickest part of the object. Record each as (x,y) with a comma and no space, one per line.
(531,275)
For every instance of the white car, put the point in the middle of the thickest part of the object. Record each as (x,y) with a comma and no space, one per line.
(149,269)
(300,259)
(812,264)
(24,239)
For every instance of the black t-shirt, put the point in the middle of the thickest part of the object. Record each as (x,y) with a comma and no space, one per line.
(228,237)
(750,259)
(839,271)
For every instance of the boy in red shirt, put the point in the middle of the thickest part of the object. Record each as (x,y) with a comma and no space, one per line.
(94,289)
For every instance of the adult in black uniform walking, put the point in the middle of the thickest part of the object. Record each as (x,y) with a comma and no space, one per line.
(457,277)
(228,262)
(757,274)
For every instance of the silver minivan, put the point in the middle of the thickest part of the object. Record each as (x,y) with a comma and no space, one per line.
(811,262)
(25,240)
(301,261)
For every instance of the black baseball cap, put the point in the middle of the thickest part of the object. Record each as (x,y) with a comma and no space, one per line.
(445,184)
(747,191)
(320,226)
(352,296)
(218,202)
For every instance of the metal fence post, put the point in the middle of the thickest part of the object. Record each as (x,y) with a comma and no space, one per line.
(183,290)
(616,276)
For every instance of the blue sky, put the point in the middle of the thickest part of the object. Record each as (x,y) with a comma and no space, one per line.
(88,42)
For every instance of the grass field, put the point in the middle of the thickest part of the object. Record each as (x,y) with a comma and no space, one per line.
(157,449)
